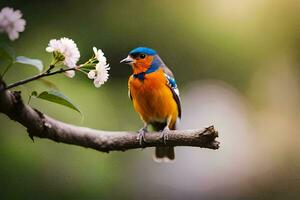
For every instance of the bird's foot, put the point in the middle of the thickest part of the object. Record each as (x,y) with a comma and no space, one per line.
(141,135)
(164,135)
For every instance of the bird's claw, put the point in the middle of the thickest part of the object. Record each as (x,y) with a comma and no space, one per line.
(164,136)
(141,136)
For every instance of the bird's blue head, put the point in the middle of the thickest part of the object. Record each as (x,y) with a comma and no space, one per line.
(142,50)
(141,59)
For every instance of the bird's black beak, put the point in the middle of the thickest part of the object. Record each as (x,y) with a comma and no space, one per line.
(128,60)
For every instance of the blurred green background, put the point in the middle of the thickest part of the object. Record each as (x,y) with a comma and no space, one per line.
(236,64)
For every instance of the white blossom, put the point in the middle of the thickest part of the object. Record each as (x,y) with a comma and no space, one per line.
(11,22)
(92,74)
(100,73)
(70,74)
(68,49)
(99,55)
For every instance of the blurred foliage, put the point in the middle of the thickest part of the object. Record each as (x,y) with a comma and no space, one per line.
(251,45)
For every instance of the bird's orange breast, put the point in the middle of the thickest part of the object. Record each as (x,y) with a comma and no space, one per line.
(152,98)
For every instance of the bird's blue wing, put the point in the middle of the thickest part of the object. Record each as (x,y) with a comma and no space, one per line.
(173,86)
(170,81)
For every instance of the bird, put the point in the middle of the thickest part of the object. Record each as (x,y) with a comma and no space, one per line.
(155,96)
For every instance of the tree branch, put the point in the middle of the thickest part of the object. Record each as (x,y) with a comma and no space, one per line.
(43,126)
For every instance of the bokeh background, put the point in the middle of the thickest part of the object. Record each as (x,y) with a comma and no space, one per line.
(237,65)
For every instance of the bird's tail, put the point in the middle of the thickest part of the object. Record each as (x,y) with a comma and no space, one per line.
(163,154)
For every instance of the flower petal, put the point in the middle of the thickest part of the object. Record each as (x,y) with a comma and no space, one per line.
(95,50)
(92,74)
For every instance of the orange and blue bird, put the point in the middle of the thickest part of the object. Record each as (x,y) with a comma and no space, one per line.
(155,96)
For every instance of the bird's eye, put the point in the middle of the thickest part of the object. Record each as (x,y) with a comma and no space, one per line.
(142,56)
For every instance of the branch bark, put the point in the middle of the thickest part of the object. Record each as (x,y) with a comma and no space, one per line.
(43,126)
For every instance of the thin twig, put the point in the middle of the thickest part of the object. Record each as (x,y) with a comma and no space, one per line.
(36,77)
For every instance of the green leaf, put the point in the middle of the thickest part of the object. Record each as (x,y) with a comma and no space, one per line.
(59,98)
(7,50)
(29,61)
(7,57)
(34,93)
